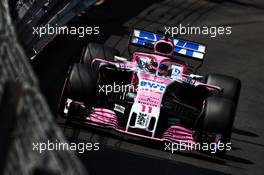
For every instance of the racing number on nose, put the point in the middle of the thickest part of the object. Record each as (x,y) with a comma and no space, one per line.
(143,109)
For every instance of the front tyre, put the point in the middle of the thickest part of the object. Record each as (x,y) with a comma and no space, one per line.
(230,85)
(80,85)
(217,123)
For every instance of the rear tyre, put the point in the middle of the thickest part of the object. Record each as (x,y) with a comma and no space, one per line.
(80,85)
(94,50)
(230,85)
(217,123)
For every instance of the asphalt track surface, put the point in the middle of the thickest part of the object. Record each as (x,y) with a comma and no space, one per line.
(239,54)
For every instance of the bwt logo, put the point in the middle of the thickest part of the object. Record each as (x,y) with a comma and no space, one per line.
(152,85)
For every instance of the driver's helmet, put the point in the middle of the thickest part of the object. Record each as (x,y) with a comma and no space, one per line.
(164,68)
(148,64)
(152,66)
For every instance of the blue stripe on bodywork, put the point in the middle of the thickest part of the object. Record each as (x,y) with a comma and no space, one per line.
(148,38)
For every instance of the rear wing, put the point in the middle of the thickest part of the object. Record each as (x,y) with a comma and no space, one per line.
(181,47)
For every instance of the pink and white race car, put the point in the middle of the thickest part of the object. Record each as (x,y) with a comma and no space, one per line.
(152,95)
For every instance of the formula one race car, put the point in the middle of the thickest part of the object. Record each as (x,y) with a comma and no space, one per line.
(151,95)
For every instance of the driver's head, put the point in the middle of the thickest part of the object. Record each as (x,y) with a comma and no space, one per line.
(164,68)
(152,66)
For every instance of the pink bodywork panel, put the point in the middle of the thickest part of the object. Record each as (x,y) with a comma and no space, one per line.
(106,118)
